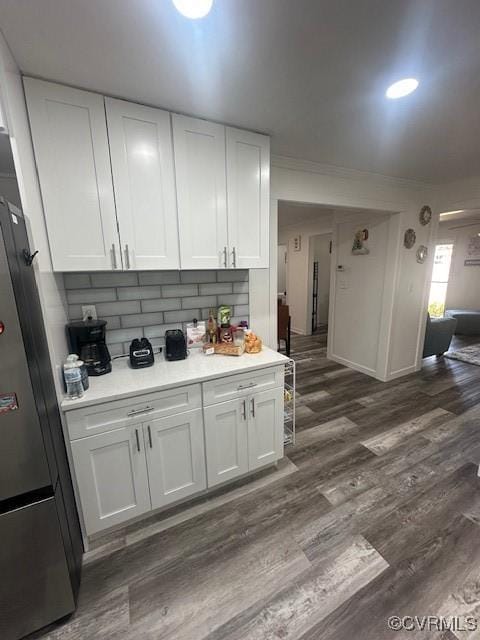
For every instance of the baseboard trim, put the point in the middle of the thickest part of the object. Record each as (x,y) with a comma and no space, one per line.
(353,365)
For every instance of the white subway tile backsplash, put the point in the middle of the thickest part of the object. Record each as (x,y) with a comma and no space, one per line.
(77,281)
(240,287)
(215,288)
(196,277)
(159,331)
(232,275)
(118,308)
(150,303)
(162,304)
(75,312)
(142,319)
(182,316)
(89,296)
(114,279)
(234,298)
(179,290)
(158,277)
(199,301)
(123,335)
(240,310)
(138,293)
(113,322)
(116,349)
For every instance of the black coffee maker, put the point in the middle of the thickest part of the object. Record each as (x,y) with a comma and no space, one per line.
(87,339)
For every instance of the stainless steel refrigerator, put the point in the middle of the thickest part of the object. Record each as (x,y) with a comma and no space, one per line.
(40,540)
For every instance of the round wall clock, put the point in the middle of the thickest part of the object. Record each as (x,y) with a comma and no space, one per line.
(425,215)
(422,253)
(409,238)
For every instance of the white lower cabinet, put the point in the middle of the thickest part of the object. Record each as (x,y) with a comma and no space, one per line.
(175,457)
(226,441)
(265,435)
(243,435)
(112,477)
(175,446)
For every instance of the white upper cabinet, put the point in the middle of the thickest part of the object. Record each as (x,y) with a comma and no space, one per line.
(71,148)
(248,198)
(199,148)
(144,181)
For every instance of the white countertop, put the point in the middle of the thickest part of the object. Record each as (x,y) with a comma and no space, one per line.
(125,382)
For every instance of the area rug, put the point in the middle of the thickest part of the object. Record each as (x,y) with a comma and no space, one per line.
(469,354)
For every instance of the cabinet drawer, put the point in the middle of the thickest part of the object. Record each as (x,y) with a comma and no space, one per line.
(239,385)
(119,413)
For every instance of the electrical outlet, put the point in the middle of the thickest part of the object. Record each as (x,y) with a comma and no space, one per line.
(89,311)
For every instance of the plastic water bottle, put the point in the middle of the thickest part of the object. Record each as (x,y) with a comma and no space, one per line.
(73,377)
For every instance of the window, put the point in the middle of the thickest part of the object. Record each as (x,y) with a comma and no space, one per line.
(438,287)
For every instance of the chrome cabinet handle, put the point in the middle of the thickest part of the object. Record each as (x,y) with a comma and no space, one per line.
(234,257)
(149,437)
(127,257)
(138,439)
(225,257)
(252,403)
(113,255)
(246,386)
(244,413)
(136,412)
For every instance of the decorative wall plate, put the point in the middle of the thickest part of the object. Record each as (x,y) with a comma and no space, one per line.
(422,253)
(425,215)
(409,238)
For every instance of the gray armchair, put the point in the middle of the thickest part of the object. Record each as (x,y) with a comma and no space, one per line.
(438,335)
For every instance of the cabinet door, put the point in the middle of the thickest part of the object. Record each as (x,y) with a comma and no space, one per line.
(112,479)
(199,148)
(71,149)
(226,441)
(144,181)
(248,198)
(265,428)
(175,457)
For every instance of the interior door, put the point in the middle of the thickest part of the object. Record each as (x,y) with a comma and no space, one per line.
(175,457)
(199,148)
(226,441)
(265,428)
(248,197)
(71,148)
(144,180)
(112,477)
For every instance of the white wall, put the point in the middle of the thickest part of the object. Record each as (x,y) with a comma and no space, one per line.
(356,313)
(405,300)
(50,285)
(463,290)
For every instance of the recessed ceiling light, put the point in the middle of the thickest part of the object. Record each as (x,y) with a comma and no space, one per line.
(193,9)
(401,88)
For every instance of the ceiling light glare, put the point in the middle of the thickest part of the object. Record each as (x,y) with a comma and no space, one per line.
(193,9)
(401,88)
(451,213)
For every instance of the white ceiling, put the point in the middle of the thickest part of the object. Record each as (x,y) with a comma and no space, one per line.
(310,72)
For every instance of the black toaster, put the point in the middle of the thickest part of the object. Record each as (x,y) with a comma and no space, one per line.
(175,345)
(141,353)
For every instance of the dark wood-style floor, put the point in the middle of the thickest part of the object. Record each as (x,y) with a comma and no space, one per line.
(380,518)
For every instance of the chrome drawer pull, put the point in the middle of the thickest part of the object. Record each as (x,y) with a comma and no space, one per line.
(136,412)
(246,386)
